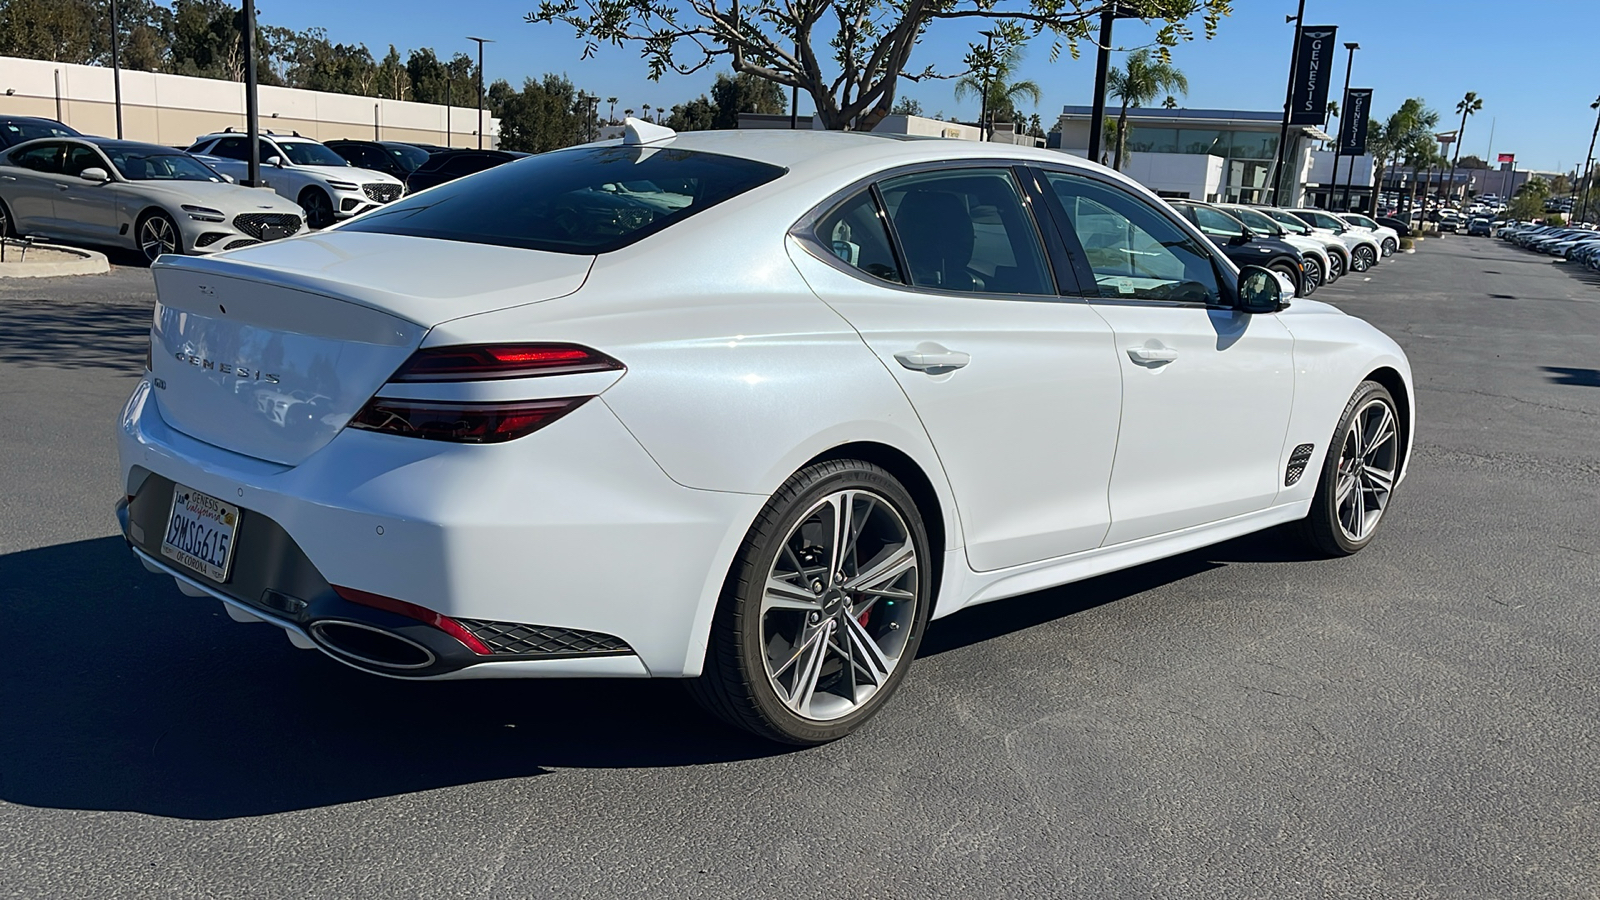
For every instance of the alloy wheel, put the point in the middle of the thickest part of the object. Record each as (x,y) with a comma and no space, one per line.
(1369,458)
(1362,259)
(319,209)
(1313,270)
(157,236)
(1335,266)
(839,605)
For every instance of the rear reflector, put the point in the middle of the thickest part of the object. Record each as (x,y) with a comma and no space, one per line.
(420,613)
(485,361)
(462,423)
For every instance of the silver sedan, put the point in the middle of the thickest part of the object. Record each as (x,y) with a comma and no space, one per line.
(145,197)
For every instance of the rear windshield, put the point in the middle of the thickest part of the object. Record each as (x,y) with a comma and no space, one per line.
(584,201)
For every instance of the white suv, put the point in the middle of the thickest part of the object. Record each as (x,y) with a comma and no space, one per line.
(325,185)
(1388,239)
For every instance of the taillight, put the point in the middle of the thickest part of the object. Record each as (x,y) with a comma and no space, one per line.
(467,422)
(480,362)
(420,613)
(463,423)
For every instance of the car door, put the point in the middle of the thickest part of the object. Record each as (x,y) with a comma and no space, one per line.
(30,185)
(87,209)
(1206,389)
(1015,384)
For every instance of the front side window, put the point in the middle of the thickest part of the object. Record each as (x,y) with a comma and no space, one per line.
(39,158)
(1256,221)
(1288,221)
(1135,252)
(857,235)
(1213,223)
(232,148)
(966,230)
(138,166)
(585,200)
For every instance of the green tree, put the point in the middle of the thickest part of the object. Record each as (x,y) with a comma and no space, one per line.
(543,115)
(699,114)
(994,79)
(745,93)
(1407,133)
(436,81)
(393,80)
(1136,84)
(1471,161)
(906,106)
(849,55)
(1560,186)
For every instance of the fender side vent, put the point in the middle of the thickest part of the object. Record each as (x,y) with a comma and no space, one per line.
(1297,463)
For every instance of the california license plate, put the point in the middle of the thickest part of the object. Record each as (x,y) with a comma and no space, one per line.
(200,533)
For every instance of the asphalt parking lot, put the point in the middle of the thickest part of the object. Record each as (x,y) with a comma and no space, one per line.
(1421,720)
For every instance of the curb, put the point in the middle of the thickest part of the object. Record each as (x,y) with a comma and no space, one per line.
(86,262)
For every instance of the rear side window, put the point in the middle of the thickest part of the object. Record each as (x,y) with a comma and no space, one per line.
(590,200)
(40,158)
(966,230)
(855,232)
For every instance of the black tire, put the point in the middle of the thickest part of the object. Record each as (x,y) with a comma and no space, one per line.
(6,228)
(1316,276)
(318,206)
(1390,245)
(1337,266)
(1321,529)
(1362,258)
(735,684)
(155,233)
(1290,272)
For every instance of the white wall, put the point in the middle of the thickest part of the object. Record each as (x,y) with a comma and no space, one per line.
(175,109)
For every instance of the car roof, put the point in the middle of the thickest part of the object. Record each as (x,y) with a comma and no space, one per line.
(819,152)
(109,144)
(36,120)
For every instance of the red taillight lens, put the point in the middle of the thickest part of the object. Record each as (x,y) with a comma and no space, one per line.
(485,361)
(462,423)
(420,613)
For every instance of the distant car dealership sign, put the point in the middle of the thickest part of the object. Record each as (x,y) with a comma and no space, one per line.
(1507,158)
(1353,121)
(1312,71)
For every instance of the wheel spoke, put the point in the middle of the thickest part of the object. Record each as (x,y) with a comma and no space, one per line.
(865,650)
(805,685)
(842,535)
(891,565)
(1379,479)
(1382,433)
(811,637)
(781,594)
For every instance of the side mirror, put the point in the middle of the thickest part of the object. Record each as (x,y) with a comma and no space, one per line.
(227,178)
(1259,290)
(94,174)
(275,161)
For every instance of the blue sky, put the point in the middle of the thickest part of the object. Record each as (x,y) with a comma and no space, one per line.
(1529,61)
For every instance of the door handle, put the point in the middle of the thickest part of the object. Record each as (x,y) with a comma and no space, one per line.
(1152,356)
(8,178)
(932,358)
(61,187)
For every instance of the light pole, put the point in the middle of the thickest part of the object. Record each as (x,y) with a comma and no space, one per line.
(252,112)
(1588,163)
(988,77)
(1278,161)
(116,65)
(1344,120)
(481,42)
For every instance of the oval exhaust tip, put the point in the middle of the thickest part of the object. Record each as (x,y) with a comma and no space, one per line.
(371,646)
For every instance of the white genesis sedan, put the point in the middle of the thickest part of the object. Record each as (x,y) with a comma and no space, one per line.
(744,408)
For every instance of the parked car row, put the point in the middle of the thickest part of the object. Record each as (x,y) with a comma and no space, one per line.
(1309,247)
(1574,244)
(58,184)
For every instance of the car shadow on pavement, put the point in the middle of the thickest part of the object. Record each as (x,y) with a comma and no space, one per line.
(1565,375)
(87,336)
(120,693)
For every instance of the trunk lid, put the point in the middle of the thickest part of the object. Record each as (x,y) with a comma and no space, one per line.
(269,351)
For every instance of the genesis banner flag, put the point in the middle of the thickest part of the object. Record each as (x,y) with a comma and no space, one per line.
(1353,121)
(1313,69)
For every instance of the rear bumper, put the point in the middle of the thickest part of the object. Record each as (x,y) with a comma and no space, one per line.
(570,530)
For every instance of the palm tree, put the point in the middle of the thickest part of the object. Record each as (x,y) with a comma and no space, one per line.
(646,108)
(1138,82)
(1170,103)
(1406,133)
(1002,93)
(1468,105)
(612,116)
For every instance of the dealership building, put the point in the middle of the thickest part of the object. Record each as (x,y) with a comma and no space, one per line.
(1220,155)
